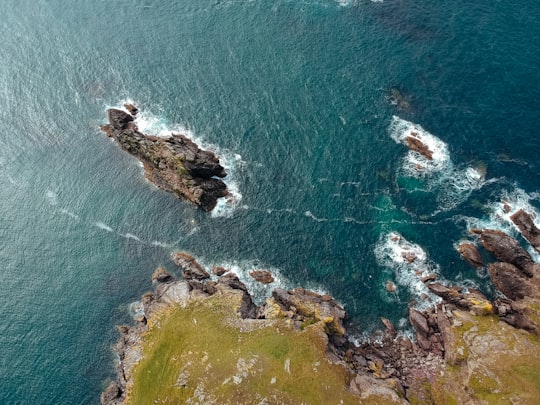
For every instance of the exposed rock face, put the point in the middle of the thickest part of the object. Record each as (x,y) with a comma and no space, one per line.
(262,276)
(507,249)
(524,221)
(509,280)
(312,306)
(471,300)
(417,145)
(175,164)
(162,276)
(470,253)
(191,269)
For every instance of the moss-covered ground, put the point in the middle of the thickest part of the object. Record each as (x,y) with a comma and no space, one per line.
(196,355)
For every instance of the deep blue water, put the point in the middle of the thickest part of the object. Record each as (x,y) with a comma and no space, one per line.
(296,96)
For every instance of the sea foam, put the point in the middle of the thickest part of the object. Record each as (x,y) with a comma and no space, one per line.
(451,185)
(409,264)
(158,125)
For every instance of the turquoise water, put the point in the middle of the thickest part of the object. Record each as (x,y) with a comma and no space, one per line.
(295,97)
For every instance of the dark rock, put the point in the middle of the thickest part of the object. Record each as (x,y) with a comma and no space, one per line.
(131,108)
(247,308)
(509,280)
(472,300)
(470,253)
(507,249)
(219,271)
(162,276)
(418,322)
(524,221)
(119,119)
(175,164)
(191,269)
(389,327)
(417,145)
(111,395)
(206,288)
(262,276)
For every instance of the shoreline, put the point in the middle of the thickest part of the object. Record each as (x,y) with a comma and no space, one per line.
(453,343)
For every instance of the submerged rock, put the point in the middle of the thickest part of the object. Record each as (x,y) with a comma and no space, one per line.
(175,164)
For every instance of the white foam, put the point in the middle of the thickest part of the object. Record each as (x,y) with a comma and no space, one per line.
(103,226)
(501,211)
(52,197)
(158,125)
(258,291)
(309,214)
(409,263)
(130,236)
(451,185)
(69,213)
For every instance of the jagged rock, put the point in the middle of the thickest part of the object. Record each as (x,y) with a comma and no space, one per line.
(471,300)
(175,164)
(112,395)
(524,221)
(131,108)
(417,145)
(419,322)
(470,253)
(247,308)
(162,276)
(262,276)
(206,288)
(312,306)
(507,249)
(509,280)
(219,271)
(389,327)
(191,269)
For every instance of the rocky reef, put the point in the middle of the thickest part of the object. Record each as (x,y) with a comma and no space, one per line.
(202,339)
(175,164)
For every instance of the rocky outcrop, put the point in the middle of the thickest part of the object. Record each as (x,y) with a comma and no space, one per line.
(175,164)
(415,144)
(262,276)
(470,253)
(191,269)
(312,307)
(507,249)
(469,299)
(525,223)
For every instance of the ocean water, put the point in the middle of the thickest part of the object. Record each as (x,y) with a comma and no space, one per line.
(306,102)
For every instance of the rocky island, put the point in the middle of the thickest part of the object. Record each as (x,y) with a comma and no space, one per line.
(201,339)
(175,164)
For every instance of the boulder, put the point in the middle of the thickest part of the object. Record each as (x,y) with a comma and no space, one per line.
(470,253)
(119,119)
(262,276)
(525,223)
(219,271)
(131,108)
(415,144)
(162,276)
(191,269)
(418,322)
(507,249)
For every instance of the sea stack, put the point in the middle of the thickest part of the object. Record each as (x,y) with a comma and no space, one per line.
(175,163)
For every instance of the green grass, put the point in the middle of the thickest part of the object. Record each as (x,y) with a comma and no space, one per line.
(198,343)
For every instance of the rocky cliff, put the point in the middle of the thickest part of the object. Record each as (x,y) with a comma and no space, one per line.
(175,164)
(203,340)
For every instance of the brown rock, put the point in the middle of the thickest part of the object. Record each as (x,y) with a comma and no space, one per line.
(470,253)
(262,276)
(471,300)
(418,322)
(162,276)
(219,271)
(111,395)
(524,221)
(191,269)
(131,108)
(507,249)
(417,145)
(509,280)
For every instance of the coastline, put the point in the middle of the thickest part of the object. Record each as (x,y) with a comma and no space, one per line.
(467,349)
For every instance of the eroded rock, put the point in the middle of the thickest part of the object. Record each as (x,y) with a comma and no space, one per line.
(470,253)
(524,221)
(191,269)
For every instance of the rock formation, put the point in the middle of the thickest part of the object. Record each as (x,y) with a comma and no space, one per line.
(175,164)
(524,221)
(470,253)
(415,144)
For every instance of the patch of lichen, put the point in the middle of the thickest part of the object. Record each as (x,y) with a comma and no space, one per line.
(501,365)
(196,353)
